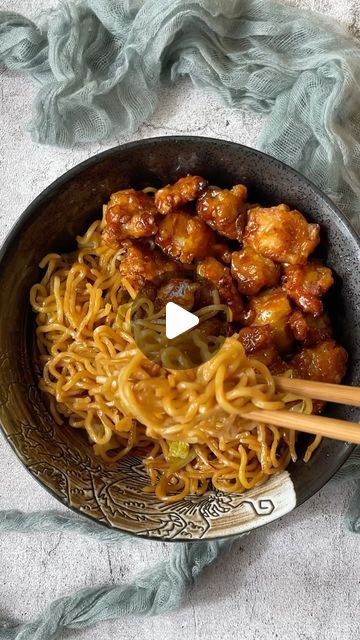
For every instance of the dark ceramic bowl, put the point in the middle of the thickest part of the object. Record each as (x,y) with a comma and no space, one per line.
(61,458)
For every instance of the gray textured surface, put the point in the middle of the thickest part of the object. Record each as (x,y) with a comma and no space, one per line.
(297,579)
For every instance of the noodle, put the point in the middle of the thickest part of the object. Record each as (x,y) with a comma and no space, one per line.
(184,423)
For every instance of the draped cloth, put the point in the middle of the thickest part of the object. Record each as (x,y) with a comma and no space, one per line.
(99,66)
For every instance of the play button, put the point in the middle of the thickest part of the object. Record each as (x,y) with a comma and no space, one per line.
(178,320)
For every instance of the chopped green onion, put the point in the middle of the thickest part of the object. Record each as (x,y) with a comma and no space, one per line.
(179,449)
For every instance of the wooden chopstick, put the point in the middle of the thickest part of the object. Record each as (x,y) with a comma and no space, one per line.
(317,425)
(339,393)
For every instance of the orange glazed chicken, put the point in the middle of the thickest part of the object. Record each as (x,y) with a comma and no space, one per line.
(213,270)
(310,329)
(178,194)
(184,237)
(306,283)
(258,343)
(224,210)
(141,265)
(253,272)
(281,234)
(325,362)
(129,214)
(272,307)
(258,258)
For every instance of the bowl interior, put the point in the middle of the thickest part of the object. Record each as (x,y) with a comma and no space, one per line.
(60,457)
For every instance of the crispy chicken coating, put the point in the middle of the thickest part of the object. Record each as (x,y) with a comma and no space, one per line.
(222,252)
(271,357)
(179,290)
(185,237)
(272,307)
(129,214)
(141,265)
(224,210)
(253,271)
(258,343)
(325,362)
(269,307)
(255,338)
(319,329)
(308,329)
(213,327)
(298,325)
(176,195)
(281,234)
(206,294)
(305,284)
(220,275)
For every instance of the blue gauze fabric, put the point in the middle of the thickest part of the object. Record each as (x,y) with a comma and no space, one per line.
(100,65)
(158,590)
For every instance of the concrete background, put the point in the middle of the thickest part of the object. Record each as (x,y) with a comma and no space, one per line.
(296,579)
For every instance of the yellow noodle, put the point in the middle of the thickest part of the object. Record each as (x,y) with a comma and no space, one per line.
(97,379)
(311,448)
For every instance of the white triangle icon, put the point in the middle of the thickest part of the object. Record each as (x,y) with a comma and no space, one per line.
(178,320)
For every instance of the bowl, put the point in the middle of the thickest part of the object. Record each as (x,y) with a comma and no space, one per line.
(61,458)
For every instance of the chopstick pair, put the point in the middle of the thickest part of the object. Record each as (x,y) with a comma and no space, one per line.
(317,425)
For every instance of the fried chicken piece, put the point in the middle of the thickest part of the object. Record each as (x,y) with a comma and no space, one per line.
(222,252)
(325,362)
(179,290)
(281,234)
(305,284)
(298,325)
(213,327)
(319,329)
(309,330)
(185,237)
(141,265)
(176,195)
(253,272)
(204,296)
(271,357)
(272,307)
(129,214)
(255,338)
(207,294)
(258,343)
(214,271)
(224,210)
(269,307)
